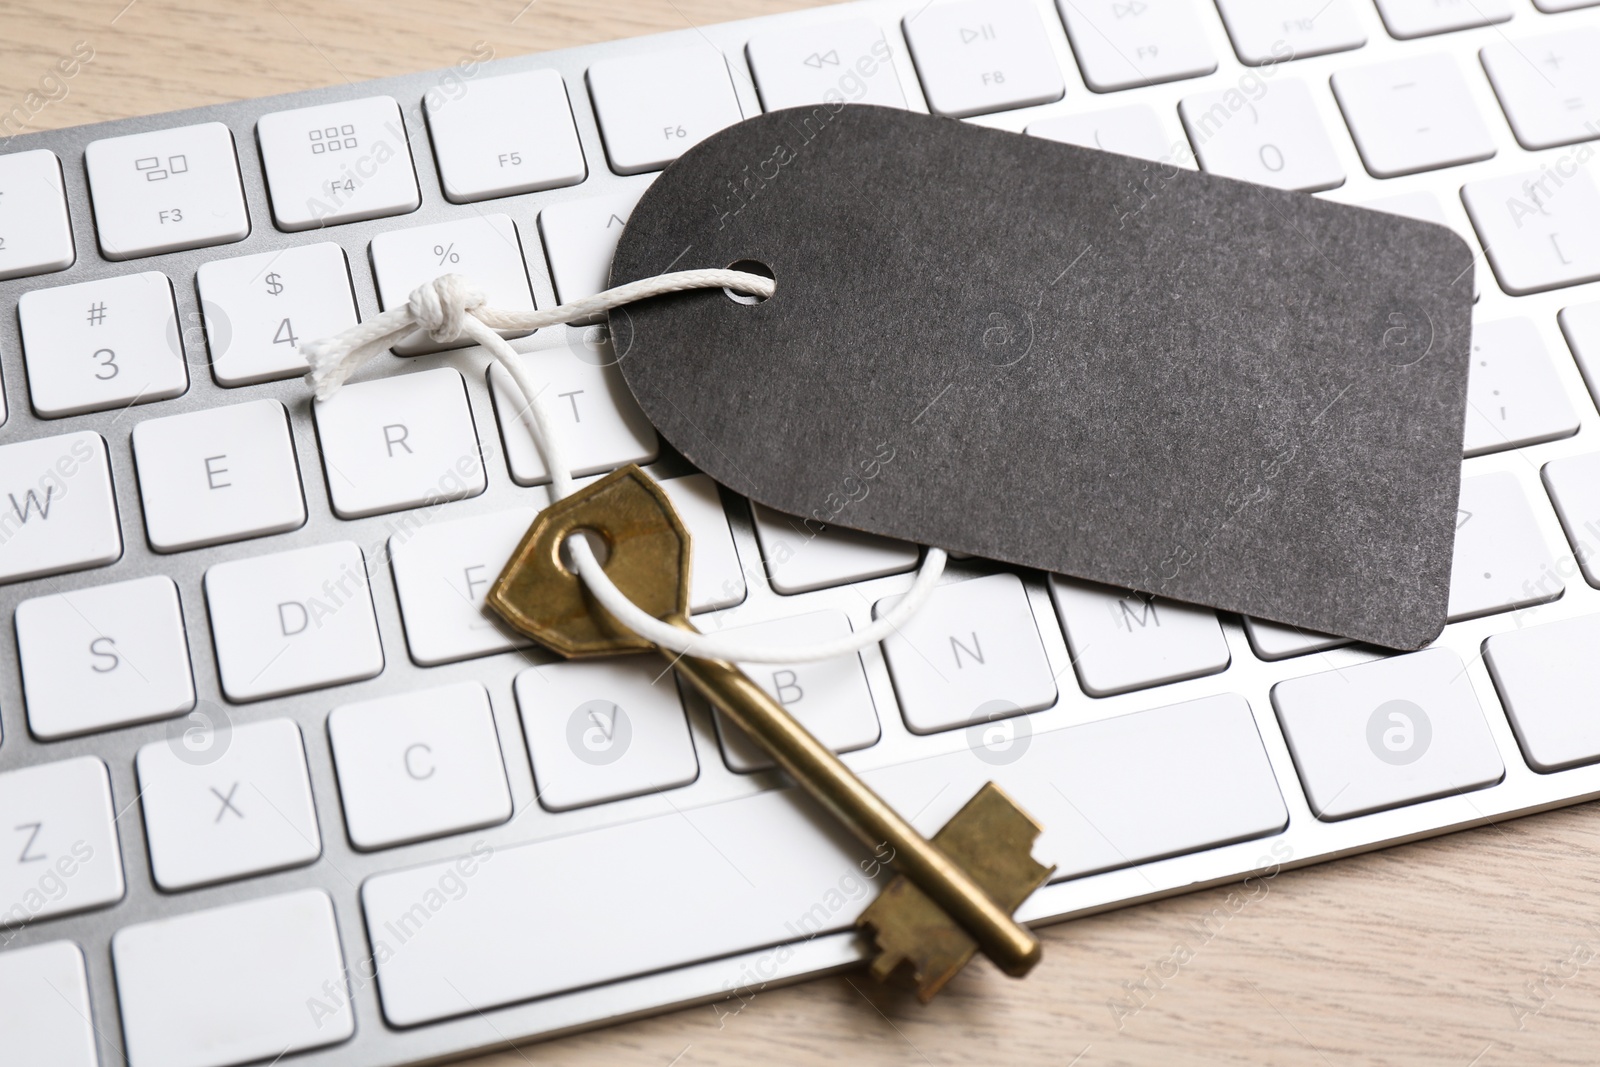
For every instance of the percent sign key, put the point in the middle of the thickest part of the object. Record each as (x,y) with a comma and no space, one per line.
(447,254)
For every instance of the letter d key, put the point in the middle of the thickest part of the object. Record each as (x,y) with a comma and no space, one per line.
(953,895)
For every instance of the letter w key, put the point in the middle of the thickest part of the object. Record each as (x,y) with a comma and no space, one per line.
(30,502)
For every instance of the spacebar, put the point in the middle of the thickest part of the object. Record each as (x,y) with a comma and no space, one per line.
(500,926)
(506,925)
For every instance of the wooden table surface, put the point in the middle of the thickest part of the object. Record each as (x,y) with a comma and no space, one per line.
(1480,948)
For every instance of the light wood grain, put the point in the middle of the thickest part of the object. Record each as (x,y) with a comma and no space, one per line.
(1480,948)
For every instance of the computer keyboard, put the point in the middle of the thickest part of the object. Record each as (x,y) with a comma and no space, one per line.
(273,786)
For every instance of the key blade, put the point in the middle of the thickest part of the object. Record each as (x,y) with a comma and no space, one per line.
(646,554)
(992,839)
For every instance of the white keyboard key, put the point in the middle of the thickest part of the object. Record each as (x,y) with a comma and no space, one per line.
(830,697)
(442,571)
(603,731)
(1122,641)
(61,852)
(1133,130)
(335,163)
(1513,395)
(1574,486)
(1549,86)
(1276,140)
(1421,18)
(419,765)
(1272,641)
(166,190)
(399,442)
(656,105)
(1547,677)
(58,512)
(1110,794)
(246,809)
(836,62)
(293,621)
(44,1006)
(109,655)
(1501,562)
(979,56)
(1412,114)
(973,651)
(741,870)
(1272,31)
(1425,206)
(511,134)
(715,578)
(1551,7)
(1540,229)
(1121,44)
(35,232)
(580,237)
(259,310)
(484,248)
(101,344)
(607,428)
(1580,325)
(251,981)
(1383,734)
(803,556)
(218,475)
(1122,790)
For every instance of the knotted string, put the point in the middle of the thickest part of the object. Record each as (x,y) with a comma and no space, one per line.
(451,307)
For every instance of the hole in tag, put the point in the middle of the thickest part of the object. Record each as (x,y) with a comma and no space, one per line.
(749,266)
(597,545)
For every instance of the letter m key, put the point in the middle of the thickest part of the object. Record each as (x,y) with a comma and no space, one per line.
(1131,611)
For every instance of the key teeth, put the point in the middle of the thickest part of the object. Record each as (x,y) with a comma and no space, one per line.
(888,958)
(891,922)
(992,838)
(890,965)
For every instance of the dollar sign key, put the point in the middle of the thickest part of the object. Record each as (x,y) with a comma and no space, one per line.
(274,283)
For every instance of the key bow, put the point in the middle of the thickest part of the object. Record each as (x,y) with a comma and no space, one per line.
(645,551)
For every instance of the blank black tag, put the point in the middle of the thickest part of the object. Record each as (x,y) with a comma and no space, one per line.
(1066,359)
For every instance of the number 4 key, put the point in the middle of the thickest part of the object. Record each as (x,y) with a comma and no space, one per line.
(256,309)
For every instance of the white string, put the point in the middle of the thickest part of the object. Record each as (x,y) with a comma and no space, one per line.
(452,307)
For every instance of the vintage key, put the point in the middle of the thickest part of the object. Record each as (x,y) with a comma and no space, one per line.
(952,895)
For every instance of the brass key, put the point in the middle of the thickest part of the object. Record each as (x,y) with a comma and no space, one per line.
(952,895)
